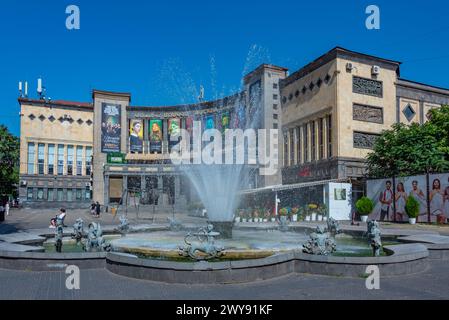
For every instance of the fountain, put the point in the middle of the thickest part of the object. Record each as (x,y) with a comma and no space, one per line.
(204,247)
(374,236)
(320,243)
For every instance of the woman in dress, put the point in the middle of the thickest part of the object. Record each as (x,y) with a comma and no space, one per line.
(446,201)
(436,200)
(401,199)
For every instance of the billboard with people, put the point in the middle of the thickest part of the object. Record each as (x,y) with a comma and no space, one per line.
(136,136)
(155,133)
(110,128)
(390,197)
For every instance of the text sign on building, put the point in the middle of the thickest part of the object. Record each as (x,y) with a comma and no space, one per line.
(116,158)
(367,86)
(111,129)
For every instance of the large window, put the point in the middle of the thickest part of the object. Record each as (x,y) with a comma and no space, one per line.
(329,136)
(60,160)
(321,137)
(87,193)
(292,147)
(30,194)
(31,154)
(69,160)
(50,195)
(69,195)
(285,149)
(60,195)
(51,159)
(313,136)
(40,194)
(299,144)
(88,161)
(306,143)
(41,157)
(79,194)
(79,161)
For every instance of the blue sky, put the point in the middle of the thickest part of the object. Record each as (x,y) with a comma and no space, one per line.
(161,51)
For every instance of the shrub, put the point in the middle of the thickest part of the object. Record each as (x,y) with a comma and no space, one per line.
(364,206)
(412,207)
(283,212)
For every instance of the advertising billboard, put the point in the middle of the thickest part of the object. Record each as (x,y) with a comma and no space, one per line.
(136,136)
(174,127)
(110,128)
(155,133)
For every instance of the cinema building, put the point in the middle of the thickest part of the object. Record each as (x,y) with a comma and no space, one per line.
(328,115)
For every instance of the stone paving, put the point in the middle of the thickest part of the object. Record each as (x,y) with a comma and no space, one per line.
(101,284)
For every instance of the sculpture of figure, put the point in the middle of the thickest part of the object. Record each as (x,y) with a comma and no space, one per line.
(78,231)
(333,226)
(204,248)
(59,234)
(123,227)
(374,236)
(320,243)
(95,240)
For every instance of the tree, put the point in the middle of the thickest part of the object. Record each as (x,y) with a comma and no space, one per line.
(9,161)
(439,117)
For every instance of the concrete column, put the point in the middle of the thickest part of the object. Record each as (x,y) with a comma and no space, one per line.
(325,140)
(106,191)
(165,136)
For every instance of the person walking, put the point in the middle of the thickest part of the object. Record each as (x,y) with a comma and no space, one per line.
(7,208)
(97,209)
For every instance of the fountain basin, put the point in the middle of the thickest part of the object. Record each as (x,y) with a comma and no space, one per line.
(223,228)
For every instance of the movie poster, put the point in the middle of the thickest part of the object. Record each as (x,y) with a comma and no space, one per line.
(155,133)
(381,192)
(110,128)
(136,136)
(209,123)
(225,121)
(174,130)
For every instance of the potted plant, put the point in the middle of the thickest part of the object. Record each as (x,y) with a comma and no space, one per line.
(239,215)
(313,207)
(307,216)
(266,215)
(294,214)
(283,213)
(273,216)
(323,212)
(244,216)
(412,209)
(256,215)
(364,207)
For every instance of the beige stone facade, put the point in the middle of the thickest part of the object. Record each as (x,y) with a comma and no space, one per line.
(328,114)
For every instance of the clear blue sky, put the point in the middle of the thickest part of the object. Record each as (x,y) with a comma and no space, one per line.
(161,51)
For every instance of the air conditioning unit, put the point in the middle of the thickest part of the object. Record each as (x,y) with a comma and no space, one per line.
(375,70)
(349,66)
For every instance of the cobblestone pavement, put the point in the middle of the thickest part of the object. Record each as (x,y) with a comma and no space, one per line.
(101,284)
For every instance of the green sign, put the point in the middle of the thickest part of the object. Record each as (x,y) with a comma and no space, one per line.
(116,158)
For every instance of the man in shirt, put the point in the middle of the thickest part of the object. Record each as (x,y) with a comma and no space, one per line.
(386,199)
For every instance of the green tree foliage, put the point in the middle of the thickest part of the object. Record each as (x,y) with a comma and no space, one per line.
(9,161)
(414,149)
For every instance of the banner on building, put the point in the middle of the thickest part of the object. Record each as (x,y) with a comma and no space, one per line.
(209,123)
(136,136)
(110,128)
(391,197)
(174,131)
(155,133)
(225,121)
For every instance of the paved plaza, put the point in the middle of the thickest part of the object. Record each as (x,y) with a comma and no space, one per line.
(101,284)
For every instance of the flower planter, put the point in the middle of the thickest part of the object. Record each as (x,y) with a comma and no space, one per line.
(412,220)
(294,218)
(313,217)
(324,218)
(244,220)
(237,220)
(273,219)
(364,218)
(319,217)
(283,219)
(308,218)
(265,220)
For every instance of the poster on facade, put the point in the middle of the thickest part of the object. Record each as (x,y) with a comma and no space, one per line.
(225,121)
(136,136)
(209,123)
(174,131)
(386,201)
(155,133)
(110,128)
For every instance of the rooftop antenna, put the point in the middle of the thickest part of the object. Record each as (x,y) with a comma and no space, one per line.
(26,89)
(20,89)
(40,89)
